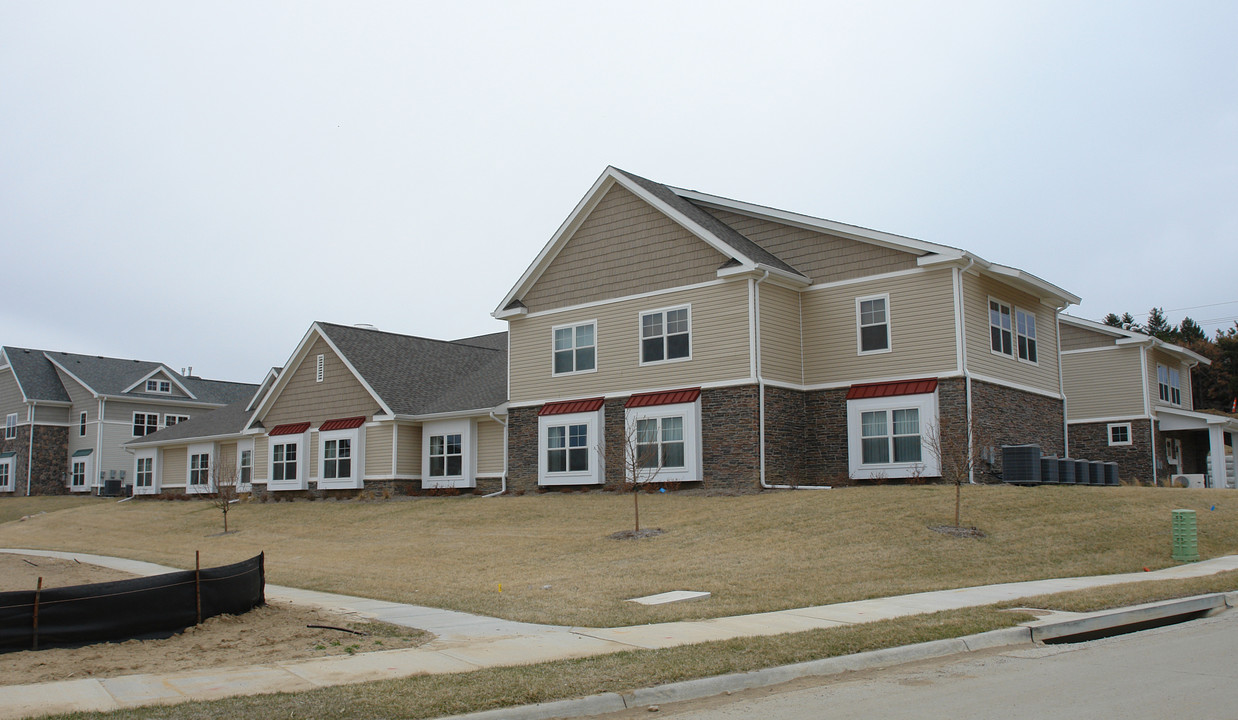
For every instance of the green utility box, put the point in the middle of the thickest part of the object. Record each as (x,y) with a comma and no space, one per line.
(1186,543)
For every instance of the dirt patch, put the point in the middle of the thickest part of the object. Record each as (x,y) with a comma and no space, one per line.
(636,534)
(273,633)
(959,532)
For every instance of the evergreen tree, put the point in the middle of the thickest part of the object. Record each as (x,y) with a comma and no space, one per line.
(1158,327)
(1189,331)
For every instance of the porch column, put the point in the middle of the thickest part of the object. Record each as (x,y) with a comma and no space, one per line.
(1216,451)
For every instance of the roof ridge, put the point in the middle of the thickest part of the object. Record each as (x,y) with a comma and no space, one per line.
(454,343)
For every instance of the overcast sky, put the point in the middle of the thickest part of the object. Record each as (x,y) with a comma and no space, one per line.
(196,183)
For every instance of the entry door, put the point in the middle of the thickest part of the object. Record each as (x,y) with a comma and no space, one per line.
(1173,454)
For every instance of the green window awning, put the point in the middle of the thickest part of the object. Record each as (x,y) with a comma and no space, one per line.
(83,453)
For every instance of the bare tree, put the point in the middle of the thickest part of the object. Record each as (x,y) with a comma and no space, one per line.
(637,457)
(957,450)
(224,481)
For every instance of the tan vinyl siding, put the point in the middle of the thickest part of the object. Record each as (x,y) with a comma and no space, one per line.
(303,398)
(1158,357)
(55,415)
(10,396)
(227,462)
(824,258)
(489,448)
(623,247)
(1102,383)
(261,445)
(781,353)
(982,360)
(719,342)
(89,440)
(312,468)
(922,335)
(174,466)
(78,394)
(408,450)
(1077,338)
(114,457)
(378,449)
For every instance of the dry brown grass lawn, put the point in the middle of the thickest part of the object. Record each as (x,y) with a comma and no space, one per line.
(551,555)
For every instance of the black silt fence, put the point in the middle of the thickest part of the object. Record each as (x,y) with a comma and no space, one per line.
(123,609)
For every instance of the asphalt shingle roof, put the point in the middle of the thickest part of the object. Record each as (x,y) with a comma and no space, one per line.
(36,375)
(227,420)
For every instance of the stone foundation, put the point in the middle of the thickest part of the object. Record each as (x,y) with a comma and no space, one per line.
(1090,441)
(51,453)
(1005,416)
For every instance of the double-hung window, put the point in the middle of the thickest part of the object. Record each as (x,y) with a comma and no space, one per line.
(284,461)
(575,348)
(10,426)
(145,423)
(891,436)
(144,477)
(567,448)
(660,443)
(170,420)
(78,477)
(6,470)
(873,323)
(337,458)
(81,424)
(1169,382)
(1001,339)
(665,335)
(162,387)
(246,467)
(1025,331)
(446,455)
(200,469)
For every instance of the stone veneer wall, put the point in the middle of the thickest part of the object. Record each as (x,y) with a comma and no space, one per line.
(1006,416)
(787,460)
(1090,441)
(51,452)
(825,433)
(522,449)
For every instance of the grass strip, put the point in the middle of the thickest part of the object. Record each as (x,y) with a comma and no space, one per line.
(1126,594)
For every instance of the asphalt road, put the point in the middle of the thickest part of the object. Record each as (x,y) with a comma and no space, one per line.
(1188,670)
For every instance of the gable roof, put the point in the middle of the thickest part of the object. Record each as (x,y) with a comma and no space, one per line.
(221,422)
(1134,337)
(688,208)
(110,377)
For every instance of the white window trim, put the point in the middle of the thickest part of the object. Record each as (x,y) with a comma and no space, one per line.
(859,326)
(355,480)
(81,424)
(573,326)
(158,383)
(1168,384)
(691,414)
(1109,434)
(10,426)
(640,338)
(1014,329)
(155,484)
(88,467)
(1014,352)
(241,447)
(11,464)
(207,449)
(301,441)
(468,452)
(595,475)
(179,419)
(928,466)
(147,415)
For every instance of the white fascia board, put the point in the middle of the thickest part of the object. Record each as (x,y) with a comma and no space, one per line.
(1193,415)
(265,387)
(854,232)
(1041,288)
(344,359)
(1149,341)
(461,414)
(78,380)
(160,401)
(290,368)
(777,276)
(171,377)
(183,441)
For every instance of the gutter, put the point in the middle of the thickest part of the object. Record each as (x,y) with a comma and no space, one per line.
(30,451)
(971,450)
(503,479)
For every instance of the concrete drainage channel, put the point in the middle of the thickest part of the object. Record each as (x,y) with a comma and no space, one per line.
(1058,628)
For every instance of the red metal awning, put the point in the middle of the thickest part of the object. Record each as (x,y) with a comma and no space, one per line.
(892,389)
(342,424)
(572,406)
(666,397)
(289,429)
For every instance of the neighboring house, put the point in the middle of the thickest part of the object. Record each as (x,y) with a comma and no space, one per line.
(67,416)
(1128,399)
(353,408)
(742,346)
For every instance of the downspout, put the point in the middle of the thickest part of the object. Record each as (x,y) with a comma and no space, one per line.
(30,452)
(1061,388)
(503,479)
(756,319)
(1147,407)
(971,450)
(99,446)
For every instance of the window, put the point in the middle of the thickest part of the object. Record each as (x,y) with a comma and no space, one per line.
(1169,381)
(575,348)
(873,323)
(659,443)
(1119,433)
(144,476)
(78,477)
(1001,340)
(337,459)
(1025,329)
(159,386)
(200,469)
(145,423)
(284,461)
(665,335)
(6,470)
(891,436)
(567,448)
(446,456)
(246,472)
(170,420)
(321,368)
(10,426)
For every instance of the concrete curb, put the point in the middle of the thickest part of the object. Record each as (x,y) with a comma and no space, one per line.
(766,677)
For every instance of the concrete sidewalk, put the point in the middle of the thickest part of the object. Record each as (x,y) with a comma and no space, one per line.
(467,642)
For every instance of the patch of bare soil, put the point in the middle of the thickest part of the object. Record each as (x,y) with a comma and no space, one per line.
(22,572)
(959,532)
(273,633)
(636,534)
